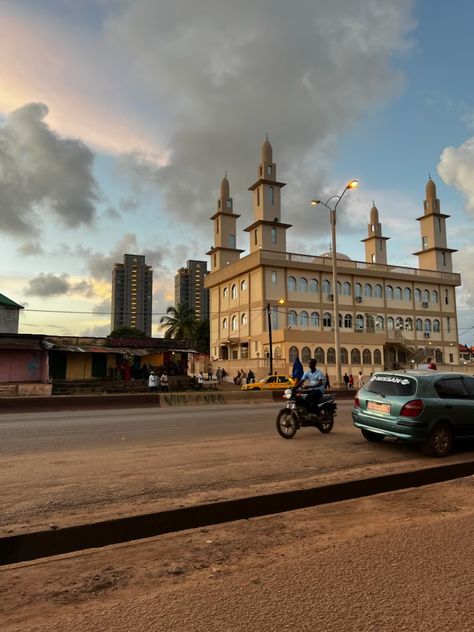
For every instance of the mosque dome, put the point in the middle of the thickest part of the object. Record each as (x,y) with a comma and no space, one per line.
(339,255)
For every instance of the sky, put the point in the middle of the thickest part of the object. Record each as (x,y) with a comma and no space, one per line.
(119,118)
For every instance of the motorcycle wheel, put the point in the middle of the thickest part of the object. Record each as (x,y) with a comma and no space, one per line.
(286,424)
(327,425)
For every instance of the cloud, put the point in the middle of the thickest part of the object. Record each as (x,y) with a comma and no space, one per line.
(456,167)
(48,285)
(227,73)
(43,176)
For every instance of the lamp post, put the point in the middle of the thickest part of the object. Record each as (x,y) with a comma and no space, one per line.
(352,184)
(270,343)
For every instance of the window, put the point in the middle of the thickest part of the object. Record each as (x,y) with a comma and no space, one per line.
(419,324)
(234,323)
(426,296)
(292,318)
(231,241)
(225,292)
(424,243)
(8,314)
(305,355)
(378,292)
(398,293)
(258,196)
(389,292)
(319,355)
(274,235)
(217,221)
(291,284)
(314,319)
(277,354)
(304,319)
(243,319)
(408,324)
(446,297)
(390,323)
(358,289)
(379,322)
(346,288)
(344,356)
(255,237)
(407,294)
(417,294)
(303,285)
(292,354)
(274,277)
(355,356)
(377,357)
(439,357)
(359,322)
(366,356)
(313,285)
(331,356)
(272,196)
(368,290)
(434,296)
(399,322)
(338,288)
(243,285)
(427,325)
(348,321)
(326,287)
(233,291)
(448,324)
(269,170)
(452,388)
(436,326)
(443,258)
(327,319)
(224,323)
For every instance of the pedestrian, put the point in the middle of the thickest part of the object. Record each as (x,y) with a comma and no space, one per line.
(164,382)
(209,373)
(250,377)
(219,375)
(237,378)
(224,373)
(243,376)
(326,382)
(351,381)
(346,380)
(200,381)
(297,371)
(360,380)
(431,364)
(152,382)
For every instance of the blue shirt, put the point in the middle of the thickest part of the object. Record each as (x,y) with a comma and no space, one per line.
(313,378)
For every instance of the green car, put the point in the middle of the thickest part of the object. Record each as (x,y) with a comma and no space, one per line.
(427,407)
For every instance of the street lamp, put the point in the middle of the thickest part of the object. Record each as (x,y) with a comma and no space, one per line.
(270,345)
(352,184)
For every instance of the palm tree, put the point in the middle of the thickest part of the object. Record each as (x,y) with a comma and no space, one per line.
(180,322)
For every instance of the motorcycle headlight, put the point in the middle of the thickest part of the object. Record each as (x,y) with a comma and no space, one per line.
(287,393)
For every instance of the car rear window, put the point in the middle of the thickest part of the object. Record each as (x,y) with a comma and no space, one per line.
(387,384)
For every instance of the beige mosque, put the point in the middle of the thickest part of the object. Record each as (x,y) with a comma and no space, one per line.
(388,316)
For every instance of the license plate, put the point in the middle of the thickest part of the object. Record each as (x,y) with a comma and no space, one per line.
(380,408)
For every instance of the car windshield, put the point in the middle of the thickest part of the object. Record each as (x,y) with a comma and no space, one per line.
(386,384)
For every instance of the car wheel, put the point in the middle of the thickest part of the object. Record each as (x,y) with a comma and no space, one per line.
(440,441)
(372,436)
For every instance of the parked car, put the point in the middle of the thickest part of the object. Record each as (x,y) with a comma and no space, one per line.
(271,382)
(427,407)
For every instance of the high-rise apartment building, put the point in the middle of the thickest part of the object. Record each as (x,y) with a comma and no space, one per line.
(189,288)
(132,291)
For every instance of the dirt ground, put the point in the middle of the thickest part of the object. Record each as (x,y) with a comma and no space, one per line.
(393,561)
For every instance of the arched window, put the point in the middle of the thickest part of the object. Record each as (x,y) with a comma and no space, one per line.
(292,354)
(368,290)
(426,296)
(274,235)
(331,356)
(225,291)
(377,357)
(417,294)
(344,356)
(348,321)
(243,319)
(319,355)
(408,324)
(327,319)
(243,285)
(292,318)
(326,287)
(379,322)
(314,319)
(234,323)
(359,322)
(399,322)
(378,291)
(346,288)
(397,293)
(304,319)
(234,291)
(358,290)
(291,284)
(436,326)
(419,324)
(389,292)
(439,356)
(434,296)
(366,356)
(305,355)
(355,356)
(390,323)
(224,323)
(313,285)
(339,288)
(370,322)
(277,352)
(340,320)
(407,294)
(427,325)
(303,285)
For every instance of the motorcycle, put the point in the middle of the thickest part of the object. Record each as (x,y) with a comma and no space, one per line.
(299,413)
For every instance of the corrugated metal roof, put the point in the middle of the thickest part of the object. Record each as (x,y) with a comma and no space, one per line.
(4,300)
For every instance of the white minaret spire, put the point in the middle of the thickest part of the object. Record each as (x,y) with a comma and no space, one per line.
(375,243)
(224,250)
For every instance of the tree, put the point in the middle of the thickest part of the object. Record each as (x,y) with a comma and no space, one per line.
(127,332)
(180,322)
(202,336)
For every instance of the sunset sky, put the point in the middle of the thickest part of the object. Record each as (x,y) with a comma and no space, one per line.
(118,119)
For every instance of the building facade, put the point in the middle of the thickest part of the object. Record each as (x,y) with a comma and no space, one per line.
(9,315)
(132,294)
(389,316)
(189,289)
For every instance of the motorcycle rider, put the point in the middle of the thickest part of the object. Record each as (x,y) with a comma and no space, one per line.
(316,380)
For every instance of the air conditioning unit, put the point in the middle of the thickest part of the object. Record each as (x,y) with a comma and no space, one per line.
(358,299)
(425,303)
(427,334)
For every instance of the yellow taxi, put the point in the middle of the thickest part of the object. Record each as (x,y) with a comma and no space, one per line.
(271,382)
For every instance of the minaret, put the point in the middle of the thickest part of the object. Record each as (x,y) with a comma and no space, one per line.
(375,244)
(267,232)
(434,253)
(224,251)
